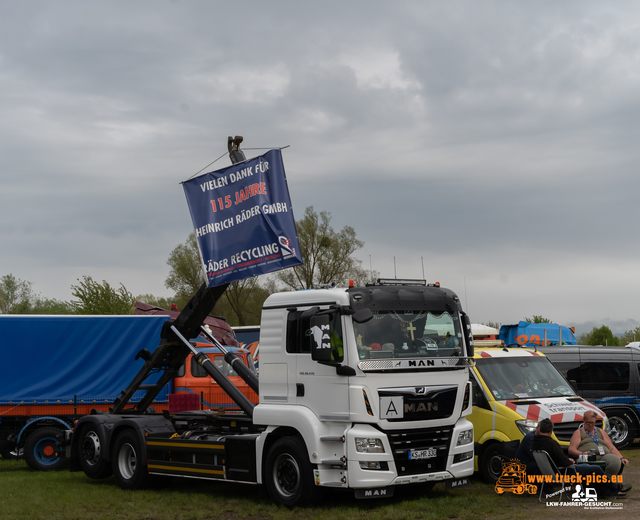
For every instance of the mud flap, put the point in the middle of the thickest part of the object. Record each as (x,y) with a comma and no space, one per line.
(384,492)
(457,483)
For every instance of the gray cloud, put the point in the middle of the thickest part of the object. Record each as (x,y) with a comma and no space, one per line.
(492,142)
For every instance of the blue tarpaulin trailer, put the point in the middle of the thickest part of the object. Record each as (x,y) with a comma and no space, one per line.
(55,369)
(535,334)
(59,357)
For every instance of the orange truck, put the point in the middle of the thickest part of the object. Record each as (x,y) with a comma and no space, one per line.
(194,389)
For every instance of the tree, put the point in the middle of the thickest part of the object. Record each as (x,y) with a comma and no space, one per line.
(157,301)
(537,319)
(242,302)
(95,298)
(585,338)
(326,254)
(187,271)
(51,306)
(629,336)
(602,336)
(15,295)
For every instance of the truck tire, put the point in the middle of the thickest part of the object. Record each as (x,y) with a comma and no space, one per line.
(92,460)
(491,463)
(8,447)
(129,471)
(623,428)
(16,453)
(42,450)
(289,473)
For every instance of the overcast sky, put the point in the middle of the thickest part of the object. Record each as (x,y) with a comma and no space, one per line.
(494,142)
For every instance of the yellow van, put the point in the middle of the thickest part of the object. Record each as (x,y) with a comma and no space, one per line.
(513,389)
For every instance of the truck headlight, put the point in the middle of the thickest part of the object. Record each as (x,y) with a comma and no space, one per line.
(526,426)
(465,437)
(369,445)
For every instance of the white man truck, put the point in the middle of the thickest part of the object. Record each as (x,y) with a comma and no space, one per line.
(360,388)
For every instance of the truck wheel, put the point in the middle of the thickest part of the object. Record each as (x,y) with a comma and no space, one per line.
(623,428)
(8,448)
(289,473)
(129,471)
(92,460)
(491,463)
(42,450)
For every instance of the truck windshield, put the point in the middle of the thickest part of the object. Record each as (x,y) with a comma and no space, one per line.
(522,377)
(409,334)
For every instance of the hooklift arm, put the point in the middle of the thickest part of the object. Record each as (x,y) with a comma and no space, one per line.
(249,377)
(171,353)
(205,362)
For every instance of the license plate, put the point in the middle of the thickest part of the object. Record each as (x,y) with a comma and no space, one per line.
(423,454)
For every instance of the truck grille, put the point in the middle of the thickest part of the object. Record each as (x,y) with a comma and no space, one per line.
(423,403)
(404,441)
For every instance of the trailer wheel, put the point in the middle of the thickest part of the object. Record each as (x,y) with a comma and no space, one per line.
(42,450)
(289,473)
(623,428)
(129,471)
(92,460)
(491,463)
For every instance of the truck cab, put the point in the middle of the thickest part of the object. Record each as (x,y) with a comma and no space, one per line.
(393,389)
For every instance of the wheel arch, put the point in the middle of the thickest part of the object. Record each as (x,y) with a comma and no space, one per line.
(270,439)
(41,422)
(487,447)
(481,448)
(630,408)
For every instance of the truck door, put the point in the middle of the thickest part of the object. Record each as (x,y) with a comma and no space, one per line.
(318,386)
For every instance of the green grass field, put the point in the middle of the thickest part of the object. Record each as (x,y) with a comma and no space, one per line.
(57,495)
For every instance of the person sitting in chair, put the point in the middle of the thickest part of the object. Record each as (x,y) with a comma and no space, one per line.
(589,437)
(544,441)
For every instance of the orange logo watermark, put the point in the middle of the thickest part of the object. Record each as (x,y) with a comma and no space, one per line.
(514,479)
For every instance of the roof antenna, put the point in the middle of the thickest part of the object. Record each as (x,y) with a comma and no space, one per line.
(422,260)
(466,303)
(235,154)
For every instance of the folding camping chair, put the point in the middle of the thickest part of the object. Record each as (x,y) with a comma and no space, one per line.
(548,467)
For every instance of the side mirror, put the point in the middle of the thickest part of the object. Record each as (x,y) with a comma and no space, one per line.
(362,316)
(468,335)
(319,337)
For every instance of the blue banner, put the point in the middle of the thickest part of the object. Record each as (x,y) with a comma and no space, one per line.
(243,219)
